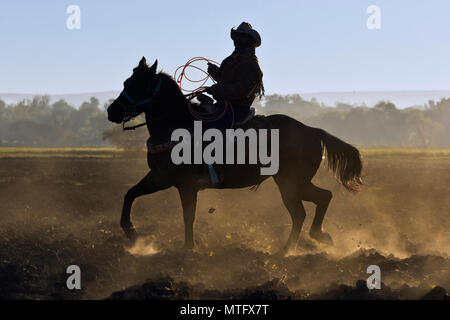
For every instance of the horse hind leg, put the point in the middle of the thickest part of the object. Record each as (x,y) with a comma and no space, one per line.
(149,184)
(291,197)
(321,198)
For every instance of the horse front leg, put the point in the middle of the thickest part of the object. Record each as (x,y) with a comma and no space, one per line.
(149,184)
(188,196)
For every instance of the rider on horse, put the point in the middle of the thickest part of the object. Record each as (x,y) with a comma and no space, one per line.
(239,77)
(239,82)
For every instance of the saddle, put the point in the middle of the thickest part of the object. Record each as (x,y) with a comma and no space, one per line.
(208,105)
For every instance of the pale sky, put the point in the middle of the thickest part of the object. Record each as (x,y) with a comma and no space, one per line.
(307,46)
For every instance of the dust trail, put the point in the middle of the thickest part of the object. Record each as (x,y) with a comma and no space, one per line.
(62,212)
(144,246)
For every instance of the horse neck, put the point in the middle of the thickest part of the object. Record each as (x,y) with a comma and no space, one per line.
(176,114)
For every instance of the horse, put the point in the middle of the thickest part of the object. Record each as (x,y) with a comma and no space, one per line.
(301,149)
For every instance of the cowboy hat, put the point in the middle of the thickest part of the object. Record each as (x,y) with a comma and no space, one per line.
(246,28)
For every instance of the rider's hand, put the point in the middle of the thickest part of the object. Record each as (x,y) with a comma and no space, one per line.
(212,69)
(212,90)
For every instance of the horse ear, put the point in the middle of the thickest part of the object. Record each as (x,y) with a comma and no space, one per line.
(154,66)
(143,62)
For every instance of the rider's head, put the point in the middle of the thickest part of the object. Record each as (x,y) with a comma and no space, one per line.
(245,36)
(242,41)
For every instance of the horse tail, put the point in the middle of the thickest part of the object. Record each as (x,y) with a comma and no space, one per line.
(343,159)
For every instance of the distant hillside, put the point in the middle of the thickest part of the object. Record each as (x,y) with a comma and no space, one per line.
(402,99)
(74,99)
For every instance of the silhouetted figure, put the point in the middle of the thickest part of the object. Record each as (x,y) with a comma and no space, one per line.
(239,82)
(239,78)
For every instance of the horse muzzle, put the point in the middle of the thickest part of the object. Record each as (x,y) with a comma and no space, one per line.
(115,113)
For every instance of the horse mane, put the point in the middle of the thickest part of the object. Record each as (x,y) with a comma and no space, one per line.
(173,85)
(174,104)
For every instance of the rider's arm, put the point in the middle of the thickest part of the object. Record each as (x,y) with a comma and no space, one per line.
(241,89)
(214,71)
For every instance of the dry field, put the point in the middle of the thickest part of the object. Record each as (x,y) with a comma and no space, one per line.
(62,206)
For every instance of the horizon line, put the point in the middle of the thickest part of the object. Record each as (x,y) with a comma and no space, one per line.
(285,94)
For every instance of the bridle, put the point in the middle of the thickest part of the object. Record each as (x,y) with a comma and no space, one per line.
(134,104)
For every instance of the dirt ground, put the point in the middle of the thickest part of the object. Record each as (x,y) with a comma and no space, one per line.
(60,211)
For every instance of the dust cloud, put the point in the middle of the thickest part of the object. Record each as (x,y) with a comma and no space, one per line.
(58,212)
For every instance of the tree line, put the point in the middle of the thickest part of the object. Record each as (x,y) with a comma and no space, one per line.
(383,125)
(39,123)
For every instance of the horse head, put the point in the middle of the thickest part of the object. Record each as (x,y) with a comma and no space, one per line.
(139,89)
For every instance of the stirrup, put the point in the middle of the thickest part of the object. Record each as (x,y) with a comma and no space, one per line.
(213,177)
(213,174)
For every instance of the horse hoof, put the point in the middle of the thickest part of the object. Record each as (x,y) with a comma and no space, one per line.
(188,247)
(282,252)
(132,234)
(134,237)
(322,237)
